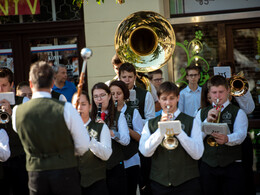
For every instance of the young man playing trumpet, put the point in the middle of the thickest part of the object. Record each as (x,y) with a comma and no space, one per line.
(221,168)
(172,171)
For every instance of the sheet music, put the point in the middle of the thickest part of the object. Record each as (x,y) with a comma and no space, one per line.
(9,96)
(221,128)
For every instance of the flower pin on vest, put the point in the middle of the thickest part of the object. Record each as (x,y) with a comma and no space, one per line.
(93,134)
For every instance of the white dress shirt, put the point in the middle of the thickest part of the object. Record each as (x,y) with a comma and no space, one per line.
(102,149)
(73,121)
(154,93)
(189,100)
(193,145)
(137,123)
(122,135)
(4,146)
(246,102)
(239,127)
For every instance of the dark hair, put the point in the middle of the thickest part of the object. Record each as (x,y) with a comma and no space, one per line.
(227,63)
(168,87)
(115,60)
(150,74)
(6,72)
(127,67)
(193,67)
(122,86)
(204,102)
(82,93)
(22,84)
(41,75)
(216,81)
(110,108)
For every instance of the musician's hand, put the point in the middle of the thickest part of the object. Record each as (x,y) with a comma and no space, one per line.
(212,115)
(5,105)
(100,120)
(220,138)
(112,133)
(164,117)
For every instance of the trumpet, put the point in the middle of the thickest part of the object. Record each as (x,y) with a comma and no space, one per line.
(169,141)
(210,140)
(4,117)
(238,85)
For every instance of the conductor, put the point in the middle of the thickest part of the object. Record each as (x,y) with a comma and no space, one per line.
(51,132)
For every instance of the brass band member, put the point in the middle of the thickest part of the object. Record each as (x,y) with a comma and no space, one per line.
(120,94)
(116,122)
(173,171)
(51,132)
(14,174)
(221,168)
(92,165)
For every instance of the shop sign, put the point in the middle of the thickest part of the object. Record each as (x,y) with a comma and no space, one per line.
(19,7)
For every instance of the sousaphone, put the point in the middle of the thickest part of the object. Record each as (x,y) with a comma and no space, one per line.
(146,39)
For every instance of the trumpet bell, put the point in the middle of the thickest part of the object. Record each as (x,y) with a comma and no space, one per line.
(4,117)
(146,39)
(170,143)
(211,141)
(238,85)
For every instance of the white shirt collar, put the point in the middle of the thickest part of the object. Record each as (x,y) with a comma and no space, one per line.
(41,94)
(86,124)
(124,108)
(224,105)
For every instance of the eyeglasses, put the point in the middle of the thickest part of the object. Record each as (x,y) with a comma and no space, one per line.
(100,96)
(158,80)
(192,75)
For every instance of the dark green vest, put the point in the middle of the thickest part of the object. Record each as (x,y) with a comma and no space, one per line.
(139,103)
(15,144)
(117,155)
(44,134)
(55,95)
(132,148)
(221,155)
(91,167)
(173,167)
(14,141)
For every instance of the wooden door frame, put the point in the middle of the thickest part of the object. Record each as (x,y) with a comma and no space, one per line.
(20,34)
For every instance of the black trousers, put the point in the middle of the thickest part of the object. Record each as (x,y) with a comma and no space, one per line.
(247,162)
(132,178)
(144,179)
(190,187)
(58,182)
(15,176)
(97,188)
(227,180)
(116,180)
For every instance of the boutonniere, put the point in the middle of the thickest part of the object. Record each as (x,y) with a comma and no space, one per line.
(93,133)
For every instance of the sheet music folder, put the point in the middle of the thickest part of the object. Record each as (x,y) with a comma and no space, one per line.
(221,128)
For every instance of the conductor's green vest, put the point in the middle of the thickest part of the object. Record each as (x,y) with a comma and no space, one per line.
(44,135)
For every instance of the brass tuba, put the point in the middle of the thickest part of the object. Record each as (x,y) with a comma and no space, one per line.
(238,85)
(145,39)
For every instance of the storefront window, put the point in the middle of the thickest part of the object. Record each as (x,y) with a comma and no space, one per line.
(6,56)
(247,59)
(57,51)
(195,40)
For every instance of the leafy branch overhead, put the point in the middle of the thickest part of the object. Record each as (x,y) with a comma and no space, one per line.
(80,2)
